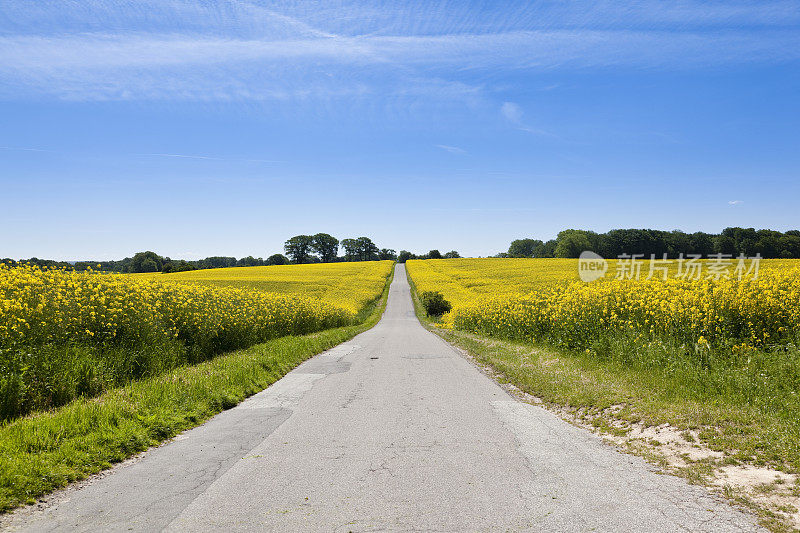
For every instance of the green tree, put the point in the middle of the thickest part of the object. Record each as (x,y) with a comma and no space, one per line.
(277,259)
(366,249)
(434,254)
(452,254)
(326,247)
(548,249)
(298,248)
(790,245)
(702,243)
(387,253)
(724,244)
(177,266)
(678,243)
(146,262)
(404,256)
(249,261)
(769,243)
(219,261)
(571,242)
(524,248)
(350,249)
(148,265)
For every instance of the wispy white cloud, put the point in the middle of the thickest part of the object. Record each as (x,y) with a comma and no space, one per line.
(209,158)
(19,149)
(176,156)
(451,149)
(237,50)
(182,156)
(361,17)
(735,202)
(522,49)
(513,113)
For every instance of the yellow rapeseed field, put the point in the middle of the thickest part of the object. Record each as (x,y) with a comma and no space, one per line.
(42,306)
(348,286)
(464,280)
(531,299)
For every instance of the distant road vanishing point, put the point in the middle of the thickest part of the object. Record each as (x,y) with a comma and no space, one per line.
(392,431)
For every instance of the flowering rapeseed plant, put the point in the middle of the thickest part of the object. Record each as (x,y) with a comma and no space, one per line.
(534,298)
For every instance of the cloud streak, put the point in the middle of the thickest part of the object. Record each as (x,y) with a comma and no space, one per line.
(182,156)
(524,49)
(513,113)
(451,149)
(178,50)
(362,17)
(19,149)
(210,158)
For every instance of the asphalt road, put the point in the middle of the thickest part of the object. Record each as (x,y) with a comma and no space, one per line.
(393,430)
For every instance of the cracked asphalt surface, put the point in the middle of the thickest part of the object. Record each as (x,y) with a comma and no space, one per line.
(393,430)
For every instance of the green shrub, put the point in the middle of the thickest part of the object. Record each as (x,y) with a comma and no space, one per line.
(434,303)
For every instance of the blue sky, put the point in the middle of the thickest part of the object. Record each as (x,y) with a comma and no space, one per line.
(199,128)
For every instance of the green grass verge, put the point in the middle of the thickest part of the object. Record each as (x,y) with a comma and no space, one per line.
(46,451)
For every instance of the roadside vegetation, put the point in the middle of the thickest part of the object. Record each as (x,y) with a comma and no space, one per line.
(65,334)
(717,361)
(434,303)
(46,450)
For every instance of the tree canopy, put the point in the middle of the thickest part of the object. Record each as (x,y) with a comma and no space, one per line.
(325,246)
(299,248)
(733,241)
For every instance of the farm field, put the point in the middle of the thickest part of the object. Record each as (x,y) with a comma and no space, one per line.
(349,286)
(526,299)
(68,334)
(465,280)
(716,361)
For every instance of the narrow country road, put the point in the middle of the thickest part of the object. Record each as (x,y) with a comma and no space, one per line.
(394,431)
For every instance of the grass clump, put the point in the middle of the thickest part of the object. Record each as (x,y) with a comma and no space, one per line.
(434,303)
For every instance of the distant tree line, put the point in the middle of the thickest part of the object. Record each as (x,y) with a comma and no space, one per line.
(319,248)
(769,244)
(324,248)
(42,263)
(152,262)
(299,249)
(405,255)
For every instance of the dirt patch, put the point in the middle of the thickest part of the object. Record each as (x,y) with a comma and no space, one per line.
(777,491)
(679,446)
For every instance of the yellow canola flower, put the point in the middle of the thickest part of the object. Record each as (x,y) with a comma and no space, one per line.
(58,306)
(349,285)
(532,298)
